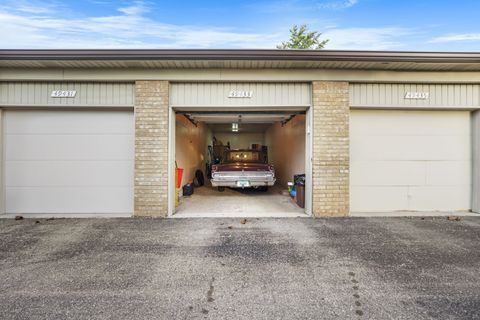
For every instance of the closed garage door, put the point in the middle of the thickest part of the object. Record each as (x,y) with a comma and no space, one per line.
(410,160)
(69,161)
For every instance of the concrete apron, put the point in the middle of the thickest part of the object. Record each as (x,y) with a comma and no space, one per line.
(249,215)
(68,215)
(415,214)
(207,202)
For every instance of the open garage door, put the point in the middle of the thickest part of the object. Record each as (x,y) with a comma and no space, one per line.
(246,158)
(272,117)
(410,160)
(69,162)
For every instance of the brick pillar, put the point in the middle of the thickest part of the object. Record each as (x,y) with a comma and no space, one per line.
(151,148)
(331,158)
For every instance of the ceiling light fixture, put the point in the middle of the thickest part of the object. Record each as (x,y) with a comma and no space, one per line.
(234,127)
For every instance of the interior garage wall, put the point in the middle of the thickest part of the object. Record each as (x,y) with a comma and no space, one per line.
(286,147)
(240,140)
(190,146)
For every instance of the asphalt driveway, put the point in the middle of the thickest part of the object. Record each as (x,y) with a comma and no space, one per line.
(356,268)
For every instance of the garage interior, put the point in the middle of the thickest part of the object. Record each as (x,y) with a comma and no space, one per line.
(201,136)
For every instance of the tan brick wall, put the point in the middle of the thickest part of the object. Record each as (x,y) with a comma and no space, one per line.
(151,148)
(331,154)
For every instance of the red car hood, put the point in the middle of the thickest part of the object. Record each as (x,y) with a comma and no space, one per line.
(239,166)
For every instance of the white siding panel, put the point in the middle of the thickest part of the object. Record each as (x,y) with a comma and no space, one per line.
(216,94)
(116,94)
(393,94)
(69,161)
(410,160)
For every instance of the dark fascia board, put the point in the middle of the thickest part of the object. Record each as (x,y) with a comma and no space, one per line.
(241,54)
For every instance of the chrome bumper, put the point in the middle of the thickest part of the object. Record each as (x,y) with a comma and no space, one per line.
(230,179)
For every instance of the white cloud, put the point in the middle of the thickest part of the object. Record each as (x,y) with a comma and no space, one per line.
(385,38)
(340,4)
(31,7)
(456,37)
(128,29)
(291,6)
(137,8)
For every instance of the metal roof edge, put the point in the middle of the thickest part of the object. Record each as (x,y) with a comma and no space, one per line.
(240,54)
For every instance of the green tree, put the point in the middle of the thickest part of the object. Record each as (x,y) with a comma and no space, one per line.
(301,38)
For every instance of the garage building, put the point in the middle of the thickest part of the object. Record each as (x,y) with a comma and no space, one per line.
(100,132)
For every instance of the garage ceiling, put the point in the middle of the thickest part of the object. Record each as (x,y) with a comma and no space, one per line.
(248,121)
(242,128)
(242,117)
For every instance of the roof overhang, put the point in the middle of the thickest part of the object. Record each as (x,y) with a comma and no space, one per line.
(241,59)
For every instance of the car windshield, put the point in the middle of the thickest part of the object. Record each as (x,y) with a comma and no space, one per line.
(242,156)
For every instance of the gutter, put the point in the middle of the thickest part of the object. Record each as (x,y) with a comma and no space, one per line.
(241,54)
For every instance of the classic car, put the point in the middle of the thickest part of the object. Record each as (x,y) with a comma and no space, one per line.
(244,168)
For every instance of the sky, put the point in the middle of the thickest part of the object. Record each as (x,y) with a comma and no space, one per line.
(410,25)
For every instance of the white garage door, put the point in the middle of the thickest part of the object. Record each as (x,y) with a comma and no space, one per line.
(410,160)
(69,161)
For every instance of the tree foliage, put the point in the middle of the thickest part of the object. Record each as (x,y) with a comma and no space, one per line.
(301,38)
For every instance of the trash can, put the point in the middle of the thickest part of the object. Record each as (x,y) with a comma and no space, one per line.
(299,179)
(300,195)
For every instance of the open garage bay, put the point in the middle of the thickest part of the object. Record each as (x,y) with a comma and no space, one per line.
(245,160)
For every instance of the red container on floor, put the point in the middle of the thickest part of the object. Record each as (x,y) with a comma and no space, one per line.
(178,177)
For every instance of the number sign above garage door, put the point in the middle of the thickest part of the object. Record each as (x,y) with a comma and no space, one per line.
(415,95)
(240,94)
(66,94)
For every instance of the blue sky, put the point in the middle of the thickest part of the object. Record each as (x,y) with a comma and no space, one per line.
(428,25)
